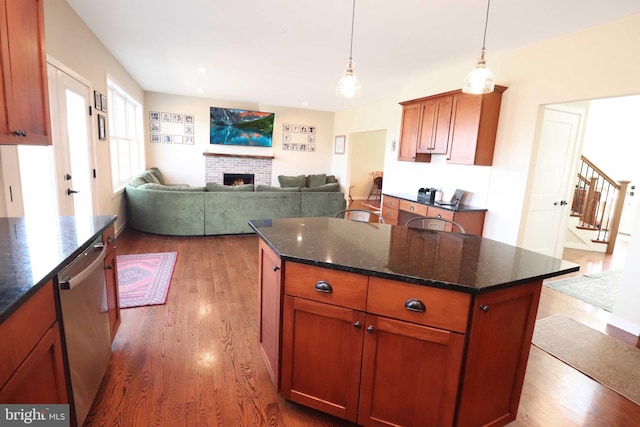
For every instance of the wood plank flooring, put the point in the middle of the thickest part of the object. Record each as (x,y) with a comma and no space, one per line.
(195,360)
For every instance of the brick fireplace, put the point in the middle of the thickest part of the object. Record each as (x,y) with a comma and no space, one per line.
(217,164)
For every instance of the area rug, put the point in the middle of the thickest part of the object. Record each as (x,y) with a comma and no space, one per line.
(610,362)
(144,279)
(597,289)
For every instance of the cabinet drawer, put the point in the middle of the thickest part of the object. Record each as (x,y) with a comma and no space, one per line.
(24,328)
(391,203)
(390,216)
(442,308)
(326,285)
(441,213)
(413,207)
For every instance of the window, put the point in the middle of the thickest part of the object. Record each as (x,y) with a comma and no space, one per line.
(126,138)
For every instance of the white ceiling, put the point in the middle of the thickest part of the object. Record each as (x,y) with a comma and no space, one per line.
(292,52)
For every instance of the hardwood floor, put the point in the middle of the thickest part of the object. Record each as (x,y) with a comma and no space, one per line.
(195,361)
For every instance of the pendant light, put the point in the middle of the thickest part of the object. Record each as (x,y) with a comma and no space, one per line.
(480,80)
(349,85)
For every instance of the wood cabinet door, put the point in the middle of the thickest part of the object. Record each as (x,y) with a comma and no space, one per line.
(427,126)
(410,132)
(113,297)
(321,356)
(435,124)
(464,129)
(24,114)
(40,377)
(270,283)
(410,374)
(500,333)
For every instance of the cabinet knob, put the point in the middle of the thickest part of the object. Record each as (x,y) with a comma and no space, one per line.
(324,287)
(416,305)
(484,308)
(370,329)
(110,239)
(110,267)
(356,324)
(439,216)
(276,268)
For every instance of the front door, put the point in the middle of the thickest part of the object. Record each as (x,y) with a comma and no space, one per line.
(555,164)
(70,101)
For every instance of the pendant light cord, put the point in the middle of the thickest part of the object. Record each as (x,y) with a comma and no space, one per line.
(486,24)
(353,17)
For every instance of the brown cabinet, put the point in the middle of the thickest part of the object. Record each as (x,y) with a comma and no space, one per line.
(24,99)
(32,369)
(270,309)
(461,126)
(398,211)
(111,277)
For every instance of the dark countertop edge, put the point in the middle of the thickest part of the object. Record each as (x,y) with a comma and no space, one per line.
(411,279)
(39,284)
(414,198)
(422,281)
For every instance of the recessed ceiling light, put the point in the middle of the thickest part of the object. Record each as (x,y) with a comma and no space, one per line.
(202,70)
(305,103)
(200,90)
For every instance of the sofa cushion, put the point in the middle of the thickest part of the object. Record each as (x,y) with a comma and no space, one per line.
(292,181)
(332,187)
(264,188)
(212,186)
(316,180)
(160,187)
(157,175)
(331,178)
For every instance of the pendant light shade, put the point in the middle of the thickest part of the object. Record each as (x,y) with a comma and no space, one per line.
(349,86)
(480,80)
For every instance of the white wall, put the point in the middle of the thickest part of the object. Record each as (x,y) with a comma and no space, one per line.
(185,163)
(70,42)
(589,64)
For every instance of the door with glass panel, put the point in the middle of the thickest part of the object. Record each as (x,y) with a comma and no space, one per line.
(70,100)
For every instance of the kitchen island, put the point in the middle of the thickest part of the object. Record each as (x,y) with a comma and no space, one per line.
(33,366)
(384,325)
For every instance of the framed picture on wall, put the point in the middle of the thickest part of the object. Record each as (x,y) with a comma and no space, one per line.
(178,139)
(189,119)
(103,102)
(154,127)
(102,127)
(189,140)
(339,148)
(165,117)
(97,100)
(154,116)
(155,138)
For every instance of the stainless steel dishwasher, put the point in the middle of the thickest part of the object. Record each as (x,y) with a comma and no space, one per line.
(86,325)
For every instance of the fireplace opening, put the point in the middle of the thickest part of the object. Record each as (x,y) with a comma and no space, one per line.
(237,178)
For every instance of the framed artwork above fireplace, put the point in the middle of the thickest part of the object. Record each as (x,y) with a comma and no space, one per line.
(232,126)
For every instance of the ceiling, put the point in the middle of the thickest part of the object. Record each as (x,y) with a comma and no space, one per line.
(293,52)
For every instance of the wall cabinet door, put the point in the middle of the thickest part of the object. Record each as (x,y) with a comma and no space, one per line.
(410,374)
(24,101)
(434,129)
(410,132)
(321,356)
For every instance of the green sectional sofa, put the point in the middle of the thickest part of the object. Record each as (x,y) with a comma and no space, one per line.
(181,210)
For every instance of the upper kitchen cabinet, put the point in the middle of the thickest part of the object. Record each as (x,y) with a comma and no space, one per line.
(24,99)
(460,126)
(474,123)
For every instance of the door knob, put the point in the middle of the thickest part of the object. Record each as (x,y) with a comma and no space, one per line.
(70,192)
(67,177)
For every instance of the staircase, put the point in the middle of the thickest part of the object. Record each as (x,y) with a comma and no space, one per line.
(596,209)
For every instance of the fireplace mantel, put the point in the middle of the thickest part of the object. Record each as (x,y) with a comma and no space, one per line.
(244,156)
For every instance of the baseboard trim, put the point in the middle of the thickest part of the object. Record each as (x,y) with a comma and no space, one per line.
(624,325)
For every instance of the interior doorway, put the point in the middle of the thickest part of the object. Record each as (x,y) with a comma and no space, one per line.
(366,156)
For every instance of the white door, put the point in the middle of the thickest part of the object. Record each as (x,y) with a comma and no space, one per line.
(555,165)
(70,100)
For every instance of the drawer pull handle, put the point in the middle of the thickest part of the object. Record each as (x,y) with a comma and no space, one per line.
(415,305)
(370,329)
(276,268)
(356,324)
(323,286)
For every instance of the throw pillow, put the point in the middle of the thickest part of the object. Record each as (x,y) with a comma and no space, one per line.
(212,186)
(331,187)
(157,176)
(292,181)
(317,180)
(331,178)
(262,187)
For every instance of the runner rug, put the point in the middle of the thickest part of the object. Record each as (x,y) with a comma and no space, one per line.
(610,362)
(597,289)
(144,279)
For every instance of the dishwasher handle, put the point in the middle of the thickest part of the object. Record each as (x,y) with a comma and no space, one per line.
(68,283)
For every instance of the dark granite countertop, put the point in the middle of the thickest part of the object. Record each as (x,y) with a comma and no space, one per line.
(414,198)
(460,262)
(33,250)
